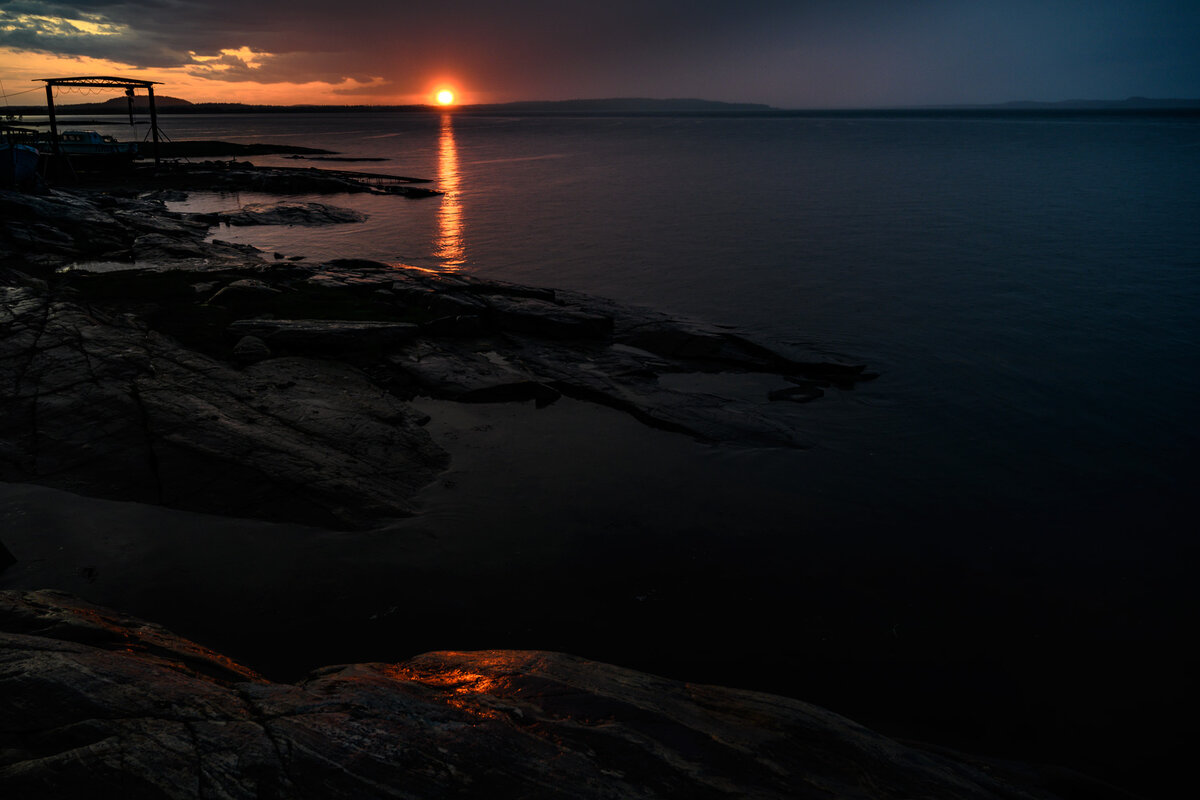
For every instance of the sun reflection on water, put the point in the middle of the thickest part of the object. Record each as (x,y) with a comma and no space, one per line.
(448,246)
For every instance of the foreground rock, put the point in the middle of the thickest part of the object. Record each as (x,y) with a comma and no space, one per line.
(98,704)
(104,405)
(41,232)
(142,362)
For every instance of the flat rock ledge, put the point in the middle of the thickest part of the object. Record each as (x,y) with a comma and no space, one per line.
(141,362)
(102,705)
(286,212)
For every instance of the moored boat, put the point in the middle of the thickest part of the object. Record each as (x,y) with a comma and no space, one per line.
(91,143)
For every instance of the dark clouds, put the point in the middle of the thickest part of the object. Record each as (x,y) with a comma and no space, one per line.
(788,53)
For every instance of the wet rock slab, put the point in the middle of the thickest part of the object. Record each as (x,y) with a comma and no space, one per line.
(99,704)
(40,232)
(104,405)
(287,212)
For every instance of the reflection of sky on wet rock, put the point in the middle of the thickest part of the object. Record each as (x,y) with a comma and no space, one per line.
(448,246)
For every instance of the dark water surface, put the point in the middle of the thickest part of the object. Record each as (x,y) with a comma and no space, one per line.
(991,546)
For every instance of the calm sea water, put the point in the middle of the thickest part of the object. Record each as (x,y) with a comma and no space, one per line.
(977,547)
(1028,286)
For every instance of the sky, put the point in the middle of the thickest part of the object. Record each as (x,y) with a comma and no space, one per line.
(785,53)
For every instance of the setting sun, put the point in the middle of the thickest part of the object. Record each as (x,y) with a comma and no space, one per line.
(445,97)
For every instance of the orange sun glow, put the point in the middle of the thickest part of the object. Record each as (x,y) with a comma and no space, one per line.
(445,97)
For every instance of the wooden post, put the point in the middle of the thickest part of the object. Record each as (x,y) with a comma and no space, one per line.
(153,123)
(53,122)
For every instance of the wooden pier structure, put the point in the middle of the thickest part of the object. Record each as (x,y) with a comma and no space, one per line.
(130,85)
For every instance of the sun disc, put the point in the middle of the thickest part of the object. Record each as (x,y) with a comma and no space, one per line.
(445,97)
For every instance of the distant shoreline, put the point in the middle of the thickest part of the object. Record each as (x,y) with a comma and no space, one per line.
(1134,106)
(92,118)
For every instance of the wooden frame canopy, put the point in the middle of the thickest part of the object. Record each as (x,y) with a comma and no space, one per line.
(128,84)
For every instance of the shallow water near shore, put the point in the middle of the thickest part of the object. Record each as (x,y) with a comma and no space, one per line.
(986,547)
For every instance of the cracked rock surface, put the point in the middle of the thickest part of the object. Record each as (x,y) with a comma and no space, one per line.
(100,704)
(103,405)
(140,362)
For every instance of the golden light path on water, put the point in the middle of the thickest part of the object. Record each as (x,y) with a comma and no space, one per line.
(448,246)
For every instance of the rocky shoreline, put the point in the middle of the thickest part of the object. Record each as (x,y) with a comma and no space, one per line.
(148,364)
(99,704)
(142,361)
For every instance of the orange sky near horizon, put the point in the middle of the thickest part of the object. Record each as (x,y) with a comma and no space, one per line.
(19,71)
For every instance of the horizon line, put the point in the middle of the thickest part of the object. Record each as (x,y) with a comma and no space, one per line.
(739,106)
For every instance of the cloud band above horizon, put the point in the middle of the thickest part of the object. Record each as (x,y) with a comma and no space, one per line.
(789,53)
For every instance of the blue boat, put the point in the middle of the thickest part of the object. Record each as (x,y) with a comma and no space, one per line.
(91,143)
(18,165)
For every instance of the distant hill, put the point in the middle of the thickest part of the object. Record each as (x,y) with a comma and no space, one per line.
(1129,103)
(610,105)
(120,105)
(141,102)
